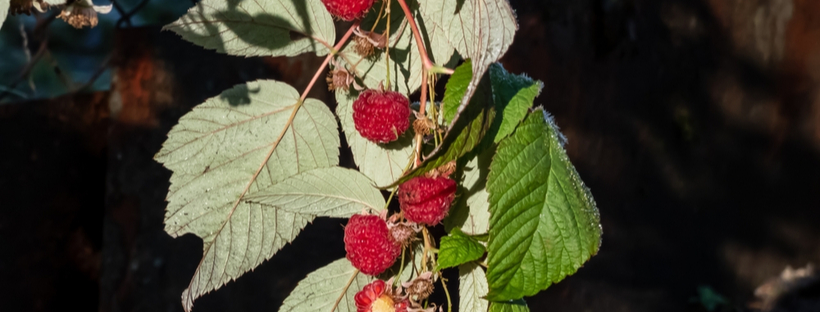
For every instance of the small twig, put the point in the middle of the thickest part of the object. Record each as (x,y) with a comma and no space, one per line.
(344,291)
(330,55)
(427,246)
(446,292)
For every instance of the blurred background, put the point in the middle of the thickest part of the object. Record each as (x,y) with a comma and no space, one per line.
(696,123)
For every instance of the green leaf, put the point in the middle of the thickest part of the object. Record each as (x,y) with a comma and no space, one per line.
(472,287)
(258,27)
(320,289)
(511,306)
(513,96)
(436,17)
(381,163)
(471,211)
(4,11)
(457,249)
(481,30)
(454,91)
(405,61)
(544,223)
(324,192)
(233,145)
(465,131)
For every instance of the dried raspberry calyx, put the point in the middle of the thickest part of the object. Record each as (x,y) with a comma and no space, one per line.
(426,200)
(378,297)
(381,116)
(369,246)
(348,10)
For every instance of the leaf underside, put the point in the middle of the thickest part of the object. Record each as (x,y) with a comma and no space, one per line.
(258,28)
(320,289)
(234,145)
(544,223)
(471,210)
(4,11)
(472,287)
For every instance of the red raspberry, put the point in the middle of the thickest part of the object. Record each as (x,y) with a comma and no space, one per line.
(369,245)
(426,200)
(375,297)
(348,9)
(381,116)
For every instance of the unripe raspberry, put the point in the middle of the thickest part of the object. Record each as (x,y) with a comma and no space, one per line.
(369,245)
(348,9)
(376,297)
(381,116)
(426,200)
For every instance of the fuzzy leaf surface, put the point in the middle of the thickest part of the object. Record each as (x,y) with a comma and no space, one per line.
(457,249)
(472,287)
(383,163)
(465,132)
(471,211)
(544,223)
(320,289)
(512,306)
(4,11)
(325,192)
(258,27)
(513,96)
(231,146)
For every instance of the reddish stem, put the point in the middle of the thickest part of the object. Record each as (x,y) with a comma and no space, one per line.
(417,34)
(330,55)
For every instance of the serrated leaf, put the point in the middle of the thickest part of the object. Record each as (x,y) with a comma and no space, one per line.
(481,30)
(472,287)
(471,211)
(465,132)
(320,289)
(457,249)
(454,91)
(513,96)
(4,11)
(258,28)
(434,24)
(544,223)
(324,192)
(231,146)
(405,61)
(381,163)
(511,306)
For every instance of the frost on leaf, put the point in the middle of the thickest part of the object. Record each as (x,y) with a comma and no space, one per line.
(544,223)
(232,146)
(258,28)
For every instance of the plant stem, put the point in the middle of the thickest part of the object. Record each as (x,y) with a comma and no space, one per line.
(446,292)
(344,291)
(427,247)
(336,49)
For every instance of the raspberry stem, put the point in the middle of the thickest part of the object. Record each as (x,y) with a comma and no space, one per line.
(446,292)
(344,291)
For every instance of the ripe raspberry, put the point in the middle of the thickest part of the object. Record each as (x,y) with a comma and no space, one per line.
(375,297)
(381,116)
(426,200)
(348,9)
(368,244)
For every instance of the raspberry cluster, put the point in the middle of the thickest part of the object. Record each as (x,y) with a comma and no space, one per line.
(369,246)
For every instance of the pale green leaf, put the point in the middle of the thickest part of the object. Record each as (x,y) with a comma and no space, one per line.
(510,306)
(472,287)
(544,223)
(258,27)
(457,249)
(471,211)
(383,163)
(482,31)
(320,289)
(324,192)
(231,146)
(513,96)
(405,61)
(465,131)
(4,11)
(436,17)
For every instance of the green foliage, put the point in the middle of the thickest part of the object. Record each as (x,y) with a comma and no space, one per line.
(544,223)
(472,287)
(457,249)
(234,145)
(258,28)
(510,306)
(513,96)
(320,289)
(471,210)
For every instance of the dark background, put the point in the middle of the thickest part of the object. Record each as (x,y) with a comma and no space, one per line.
(695,123)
